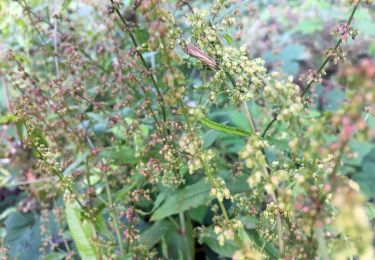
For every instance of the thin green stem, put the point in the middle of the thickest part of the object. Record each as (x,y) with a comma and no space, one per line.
(113,212)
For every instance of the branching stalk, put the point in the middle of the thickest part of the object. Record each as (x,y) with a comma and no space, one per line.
(321,68)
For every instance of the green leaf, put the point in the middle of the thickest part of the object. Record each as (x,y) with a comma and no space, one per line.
(366,178)
(54,256)
(189,197)
(228,38)
(280,144)
(119,154)
(153,234)
(7,119)
(159,200)
(198,214)
(209,138)
(230,130)
(79,232)
(68,170)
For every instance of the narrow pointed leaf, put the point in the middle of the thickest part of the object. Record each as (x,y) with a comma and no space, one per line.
(230,130)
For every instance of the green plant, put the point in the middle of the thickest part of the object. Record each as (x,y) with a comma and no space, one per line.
(126,117)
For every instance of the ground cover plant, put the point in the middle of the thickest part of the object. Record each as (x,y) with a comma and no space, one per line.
(152,129)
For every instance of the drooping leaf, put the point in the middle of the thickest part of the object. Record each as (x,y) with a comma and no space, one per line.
(189,197)
(230,130)
(80,234)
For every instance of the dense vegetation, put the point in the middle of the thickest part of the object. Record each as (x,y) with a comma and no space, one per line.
(152,129)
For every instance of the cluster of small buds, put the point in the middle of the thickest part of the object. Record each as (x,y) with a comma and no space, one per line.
(344,31)
(219,190)
(312,76)
(244,204)
(220,5)
(192,145)
(268,234)
(255,179)
(168,153)
(171,174)
(336,55)
(226,230)
(273,181)
(285,95)
(228,22)
(131,234)
(151,170)
(250,74)
(202,32)
(137,194)
(271,211)
(252,153)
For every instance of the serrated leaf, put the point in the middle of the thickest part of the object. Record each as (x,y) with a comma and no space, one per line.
(189,197)
(230,130)
(79,233)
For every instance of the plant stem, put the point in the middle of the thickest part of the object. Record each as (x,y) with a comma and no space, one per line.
(113,212)
(54,171)
(147,67)
(183,233)
(265,169)
(249,118)
(321,68)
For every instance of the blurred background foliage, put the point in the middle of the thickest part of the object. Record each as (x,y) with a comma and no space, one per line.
(289,35)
